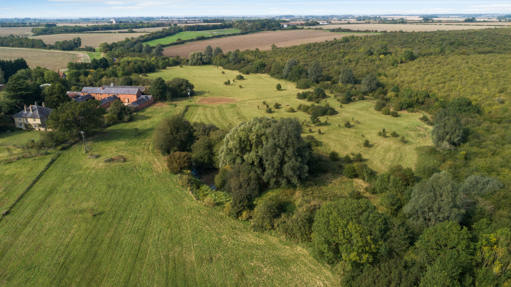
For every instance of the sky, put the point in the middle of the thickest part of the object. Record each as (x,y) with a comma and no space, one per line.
(125,8)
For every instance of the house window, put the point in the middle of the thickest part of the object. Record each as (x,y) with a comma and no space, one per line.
(19,119)
(21,126)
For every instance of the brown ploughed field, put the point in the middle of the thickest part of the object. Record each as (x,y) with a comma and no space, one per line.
(262,40)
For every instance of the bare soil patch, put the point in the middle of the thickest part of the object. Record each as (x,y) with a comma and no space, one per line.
(262,41)
(209,101)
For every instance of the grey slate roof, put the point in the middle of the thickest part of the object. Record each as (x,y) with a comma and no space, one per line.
(142,99)
(141,88)
(110,90)
(108,100)
(33,112)
(83,98)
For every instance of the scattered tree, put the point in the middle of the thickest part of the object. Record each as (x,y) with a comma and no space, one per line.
(173,134)
(448,129)
(177,161)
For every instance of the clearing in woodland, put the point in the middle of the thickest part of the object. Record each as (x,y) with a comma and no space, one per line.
(192,35)
(91,223)
(50,59)
(261,40)
(256,88)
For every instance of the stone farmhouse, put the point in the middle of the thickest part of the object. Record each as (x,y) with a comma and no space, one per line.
(34,115)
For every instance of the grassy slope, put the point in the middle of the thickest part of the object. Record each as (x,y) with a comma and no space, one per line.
(94,55)
(257,88)
(191,35)
(90,223)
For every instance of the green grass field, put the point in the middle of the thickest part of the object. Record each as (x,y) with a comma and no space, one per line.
(257,88)
(191,35)
(94,55)
(50,59)
(90,223)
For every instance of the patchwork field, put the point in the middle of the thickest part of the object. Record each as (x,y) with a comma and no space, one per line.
(257,88)
(262,41)
(88,39)
(50,59)
(408,27)
(192,35)
(91,223)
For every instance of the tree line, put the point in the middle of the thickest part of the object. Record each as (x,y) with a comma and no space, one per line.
(49,30)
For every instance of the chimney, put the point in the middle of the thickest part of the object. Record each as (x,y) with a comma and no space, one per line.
(43,104)
(101,87)
(25,108)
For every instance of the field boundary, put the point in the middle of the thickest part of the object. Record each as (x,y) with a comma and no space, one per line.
(207,38)
(9,208)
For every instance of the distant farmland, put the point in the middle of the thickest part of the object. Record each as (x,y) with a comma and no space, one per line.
(410,27)
(88,39)
(16,31)
(262,41)
(192,35)
(50,59)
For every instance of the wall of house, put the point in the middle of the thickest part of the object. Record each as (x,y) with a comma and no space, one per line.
(37,124)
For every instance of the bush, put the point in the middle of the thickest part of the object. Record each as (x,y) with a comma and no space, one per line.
(350,171)
(312,140)
(209,201)
(357,157)
(265,213)
(379,105)
(173,134)
(177,161)
(269,111)
(394,134)
(366,143)
(347,124)
(385,111)
(227,83)
(394,114)
(277,106)
(334,156)
(240,77)
(347,159)
(279,87)
(448,129)
(290,110)
(299,226)
(304,84)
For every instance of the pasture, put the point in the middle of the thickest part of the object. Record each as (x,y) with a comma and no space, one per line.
(261,40)
(257,88)
(191,35)
(88,39)
(50,59)
(422,27)
(91,223)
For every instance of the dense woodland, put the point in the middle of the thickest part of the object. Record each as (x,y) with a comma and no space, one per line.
(445,222)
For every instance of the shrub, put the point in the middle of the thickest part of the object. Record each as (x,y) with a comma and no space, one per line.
(269,111)
(334,156)
(277,106)
(347,159)
(173,134)
(227,83)
(265,213)
(385,111)
(357,157)
(448,129)
(312,140)
(290,110)
(350,171)
(177,161)
(394,134)
(379,105)
(209,201)
(394,114)
(366,143)
(299,226)
(240,77)
(347,124)
(303,84)
(279,87)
